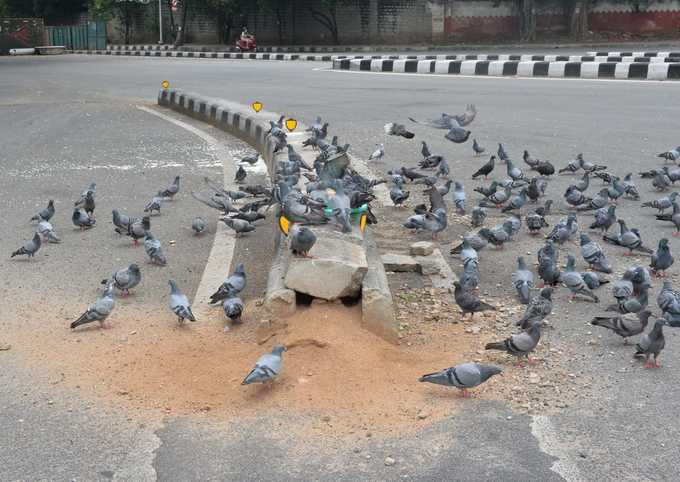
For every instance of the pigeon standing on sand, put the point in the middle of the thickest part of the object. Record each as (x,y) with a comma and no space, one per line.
(538,308)
(519,344)
(154,250)
(662,258)
(233,309)
(99,310)
(81,219)
(154,204)
(267,367)
(574,281)
(468,302)
(45,213)
(172,189)
(231,287)
(593,254)
(478,216)
(464,376)
(126,278)
(523,281)
(651,344)
(30,247)
(179,304)
(302,240)
(378,153)
(624,325)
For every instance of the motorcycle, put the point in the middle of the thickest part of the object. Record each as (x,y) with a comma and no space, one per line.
(246,43)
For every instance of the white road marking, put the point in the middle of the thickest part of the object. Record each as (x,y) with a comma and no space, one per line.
(492,77)
(222,252)
(545,433)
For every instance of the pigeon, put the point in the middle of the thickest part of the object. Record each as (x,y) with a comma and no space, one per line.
(668,300)
(431,162)
(478,216)
(516,202)
(99,310)
(473,242)
(459,197)
(154,250)
(661,181)
(457,134)
(81,219)
(302,240)
(574,197)
(231,286)
(534,189)
(443,169)
(627,238)
(378,153)
(47,232)
(398,196)
(520,344)
(125,279)
(629,187)
(240,175)
(496,236)
(486,169)
(673,175)
(30,247)
(250,216)
(487,191)
(624,325)
(538,308)
(154,204)
(394,129)
(662,259)
(671,155)
(515,173)
(583,184)
(502,155)
(601,200)
(623,288)
(179,304)
(631,304)
(251,158)
(267,367)
(574,281)
(512,225)
(674,217)
(593,254)
(91,189)
(589,166)
(233,308)
(616,190)
(464,376)
(661,204)
(435,222)
(523,281)
(500,196)
(46,213)
(536,221)
(476,148)
(604,176)
(136,229)
(548,271)
(425,151)
(604,219)
(469,280)
(651,344)
(120,221)
(572,167)
(171,190)
(199,225)
(564,230)
(239,226)
(468,302)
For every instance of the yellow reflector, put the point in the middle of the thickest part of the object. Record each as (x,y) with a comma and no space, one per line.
(284,224)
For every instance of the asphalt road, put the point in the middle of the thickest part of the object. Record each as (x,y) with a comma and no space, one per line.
(60,115)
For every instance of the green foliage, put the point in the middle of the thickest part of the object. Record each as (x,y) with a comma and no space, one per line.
(47,9)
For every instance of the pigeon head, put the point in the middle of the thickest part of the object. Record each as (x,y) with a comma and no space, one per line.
(547,292)
(521,264)
(644,316)
(663,243)
(50,203)
(240,269)
(173,285)
(487,371)
(278,350)
(671,196)
(584,239)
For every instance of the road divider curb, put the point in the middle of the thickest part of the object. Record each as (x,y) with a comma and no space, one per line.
(240,121)
(501,68)
(205,55)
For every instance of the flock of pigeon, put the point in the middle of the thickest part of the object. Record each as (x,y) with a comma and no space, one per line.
(518,189)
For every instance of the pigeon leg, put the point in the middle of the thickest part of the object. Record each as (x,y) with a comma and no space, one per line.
(629,253)
(136,243)
(466,393)
(520,364)
(676,234)
(125,293)
(531,361)
(657,363)
(625,341)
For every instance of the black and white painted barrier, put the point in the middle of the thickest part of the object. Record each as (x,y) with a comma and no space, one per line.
(501,68)
(637,54)
(518,57)
(283,49)
(206,55)
(241,121)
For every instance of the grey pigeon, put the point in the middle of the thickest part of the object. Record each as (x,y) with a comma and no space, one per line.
(91,190)
(623,288)
(624,325)
(627,238)
(583,184)
(516,202)
(523,281)
(233,309)
(668,300)
(500,196)
(476,148)
(594,256)
(538,308)
(548,271)
(631,304)
(502,155)
(589,166)
(179,304)
(616,190)
(671,154)
(601,200)
(478,216)
(154,204)
(302,240)
(571,167)
(469,247)
(468,302)
(232,286)
(459,197)
(267,367)
(424,150)
(47,232)
(394,129)
(662,258)
(469,280)
(651,344)
(99,310)
(574,197)
(240,175)
(120,221)
(514,172)
(171,190)
(45,213)
(127,278)
(661,181)
(661,204)
(536,221)
(630,189)
(563,230)
(239,226)
(604,219)
(81,219)
(250,216)
(519,344)
(30,247)
(486,169)
(198,225)
(464,376)
(674,217)
(154,250)
(574,281)
(434,222)
(136,229)
(593,279)
(496,236)
(457,134)
(398,196)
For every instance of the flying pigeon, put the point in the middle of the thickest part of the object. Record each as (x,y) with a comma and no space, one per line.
(267,367)
(464,376)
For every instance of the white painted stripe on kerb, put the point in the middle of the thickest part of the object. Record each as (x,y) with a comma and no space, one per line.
(589,70)
(496,68)
(399,66)
(467,67)
(556,69)
(526,69)
(354,64)
(621,71)
(424,66)
(376,65)
(657,71)
(441,66)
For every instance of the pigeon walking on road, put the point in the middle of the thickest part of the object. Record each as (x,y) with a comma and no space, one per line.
(179,304)
(125,279)
(136,229)
(486,169)
(46,213)
(523,281)
(231,286)
(120,221)
(476,148)
(99,310)
(671,155)
(662,258)
(464,376)
(47,232)
(674,217)
(30,247)
(154,250)
(538,308)
(267,367)
(171,190)
(239,226)
(624,325)
(604,219)
(520,344)
(574,281)
(502,155)
(627,238)
(468,302)
(81,220)
(154,204)
(378,153)
(663,203)
(536,221)
(593,254)
(651,345)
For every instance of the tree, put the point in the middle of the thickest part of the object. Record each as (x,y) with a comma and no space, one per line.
(527,20)
(578,26)
(328,17)
(49,10)
(125,11)
(229,14)
(278,8)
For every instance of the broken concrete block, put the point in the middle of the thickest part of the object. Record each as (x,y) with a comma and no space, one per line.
(399,262)
(422,248)
(377,308)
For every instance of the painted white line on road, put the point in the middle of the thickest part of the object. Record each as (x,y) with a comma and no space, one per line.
(545,433)
(491,77)
(222,252)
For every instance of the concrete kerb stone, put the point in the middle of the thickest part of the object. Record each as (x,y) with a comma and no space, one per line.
(237,120)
